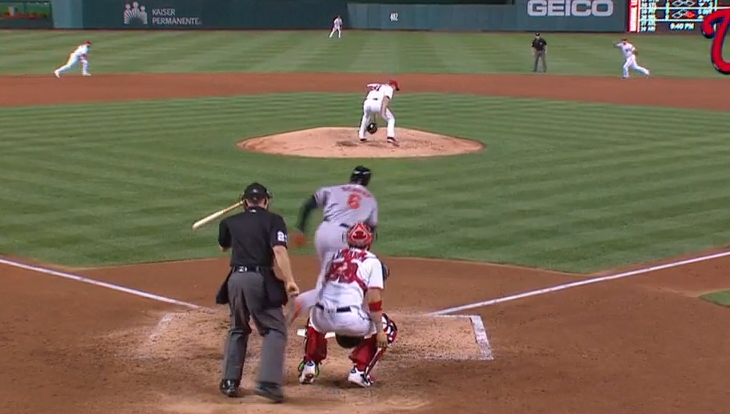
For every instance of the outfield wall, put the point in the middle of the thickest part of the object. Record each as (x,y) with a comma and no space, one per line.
(440,15)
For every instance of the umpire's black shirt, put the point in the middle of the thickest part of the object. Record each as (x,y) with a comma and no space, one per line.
(539,43)
(251,235)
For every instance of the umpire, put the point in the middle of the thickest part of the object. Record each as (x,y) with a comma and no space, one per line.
(539,46)
(256,238)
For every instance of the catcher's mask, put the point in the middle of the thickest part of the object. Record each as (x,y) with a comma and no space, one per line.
(361,175)
(360,235)
(348,342)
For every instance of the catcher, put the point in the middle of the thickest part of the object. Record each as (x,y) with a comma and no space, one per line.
(349,303)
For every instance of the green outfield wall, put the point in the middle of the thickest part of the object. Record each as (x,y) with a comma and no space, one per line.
(439,15)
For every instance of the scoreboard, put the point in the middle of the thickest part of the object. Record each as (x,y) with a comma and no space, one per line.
(671,15)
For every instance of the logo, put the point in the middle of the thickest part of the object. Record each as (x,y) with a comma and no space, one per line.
(715,26)
(567,8)
(280,236)
(134,13)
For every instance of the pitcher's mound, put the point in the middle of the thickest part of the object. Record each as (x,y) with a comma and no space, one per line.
(344,143)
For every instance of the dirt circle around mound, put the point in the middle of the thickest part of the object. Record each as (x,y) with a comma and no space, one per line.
(340,142)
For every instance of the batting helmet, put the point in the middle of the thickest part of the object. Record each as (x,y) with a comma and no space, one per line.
(361,175)
(348,342)
(360,235)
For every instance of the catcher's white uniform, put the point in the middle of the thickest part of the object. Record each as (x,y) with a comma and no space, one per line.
(629,52)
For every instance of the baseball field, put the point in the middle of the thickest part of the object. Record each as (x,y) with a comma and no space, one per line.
(583,240)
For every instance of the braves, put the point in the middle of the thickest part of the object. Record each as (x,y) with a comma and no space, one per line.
(349,303)
(337,27)
(343,205)
(377,102)
(630,53)
(81,53)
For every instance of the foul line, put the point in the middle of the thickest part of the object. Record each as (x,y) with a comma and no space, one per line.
(100,283)
(580,283)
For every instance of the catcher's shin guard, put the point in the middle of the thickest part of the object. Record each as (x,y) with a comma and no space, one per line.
(366,355)
(315,345)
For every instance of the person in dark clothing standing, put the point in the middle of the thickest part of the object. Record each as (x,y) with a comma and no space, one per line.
(256,237)
(539,48)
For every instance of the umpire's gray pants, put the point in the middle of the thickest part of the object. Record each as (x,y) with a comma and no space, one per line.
(540,54)
(247,300)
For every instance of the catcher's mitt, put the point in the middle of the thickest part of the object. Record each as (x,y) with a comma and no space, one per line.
(299,239)
(372,127)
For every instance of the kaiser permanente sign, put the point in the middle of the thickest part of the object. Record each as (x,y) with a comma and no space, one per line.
(572,15)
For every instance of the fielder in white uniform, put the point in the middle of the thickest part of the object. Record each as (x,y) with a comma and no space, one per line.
(377,102)
(343,205)
(337,27)
(81,53)
(348,303)
(630,53)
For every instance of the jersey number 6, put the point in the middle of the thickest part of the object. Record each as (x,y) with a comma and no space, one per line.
(354,201)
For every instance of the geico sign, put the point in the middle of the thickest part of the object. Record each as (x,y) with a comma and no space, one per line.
(578,8)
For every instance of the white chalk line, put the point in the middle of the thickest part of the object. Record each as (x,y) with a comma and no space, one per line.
(580,283)
(100,283)
(480,335)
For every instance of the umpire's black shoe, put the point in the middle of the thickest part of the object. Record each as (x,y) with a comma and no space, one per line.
(271,391)
(229,388)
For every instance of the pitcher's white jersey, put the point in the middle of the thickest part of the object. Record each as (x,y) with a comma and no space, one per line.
(627,49)
(350,273)
(337,24)
(379,91)
(81,50)
(347,204)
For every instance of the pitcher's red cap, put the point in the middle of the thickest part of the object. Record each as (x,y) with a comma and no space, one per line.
(394,84)
(87,43)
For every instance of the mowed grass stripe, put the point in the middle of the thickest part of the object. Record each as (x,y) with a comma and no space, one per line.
(362,51)
(528,193)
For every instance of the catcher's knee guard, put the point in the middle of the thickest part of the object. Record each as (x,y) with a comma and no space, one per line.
(315,345)
(367,354)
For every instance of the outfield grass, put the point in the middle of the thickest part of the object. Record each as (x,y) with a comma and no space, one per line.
(107,183)
(721,297)
(312,51)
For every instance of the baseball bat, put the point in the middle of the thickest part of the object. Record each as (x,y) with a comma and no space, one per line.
(207,219)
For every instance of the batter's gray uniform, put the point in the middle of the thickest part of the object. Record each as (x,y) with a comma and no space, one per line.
(343,206)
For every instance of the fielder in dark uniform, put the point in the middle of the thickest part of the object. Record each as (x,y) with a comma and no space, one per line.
(539,48)
(256,237)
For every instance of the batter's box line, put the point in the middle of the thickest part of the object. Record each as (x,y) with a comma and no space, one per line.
(477,324)
(480,334)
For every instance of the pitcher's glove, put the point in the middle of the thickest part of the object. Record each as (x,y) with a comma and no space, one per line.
(372,127)
(299,239)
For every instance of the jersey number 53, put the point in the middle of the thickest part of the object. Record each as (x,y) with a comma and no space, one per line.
(343,272)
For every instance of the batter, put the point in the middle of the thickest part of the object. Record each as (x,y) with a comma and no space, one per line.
(343,206)
(349,303)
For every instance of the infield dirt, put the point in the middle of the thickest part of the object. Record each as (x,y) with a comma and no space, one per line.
(636,345)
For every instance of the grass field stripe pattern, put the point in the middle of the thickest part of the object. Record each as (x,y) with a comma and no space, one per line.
(99,283)
(580,283)
(127,179)
(39,52)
